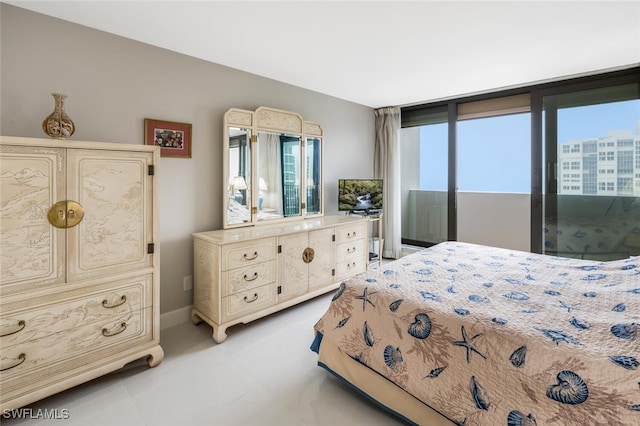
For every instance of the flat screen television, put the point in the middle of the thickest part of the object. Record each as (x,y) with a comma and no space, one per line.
(360,195)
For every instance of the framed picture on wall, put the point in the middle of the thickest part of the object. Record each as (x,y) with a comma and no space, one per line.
(174,139)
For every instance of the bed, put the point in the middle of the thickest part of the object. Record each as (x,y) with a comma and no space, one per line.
(465,334)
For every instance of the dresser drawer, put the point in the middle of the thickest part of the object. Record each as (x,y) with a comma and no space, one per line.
(249,301)
(28,357)
(351,232)
(351,251)
(247,253)
(350,267)
(66,313)
(243,279)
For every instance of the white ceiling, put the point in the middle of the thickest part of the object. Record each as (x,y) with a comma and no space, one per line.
(379,53)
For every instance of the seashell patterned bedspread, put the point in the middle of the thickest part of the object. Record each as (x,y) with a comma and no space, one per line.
(490,336)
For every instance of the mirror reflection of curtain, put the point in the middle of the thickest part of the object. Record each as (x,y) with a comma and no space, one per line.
(290,146)
(313,175)
(269,170)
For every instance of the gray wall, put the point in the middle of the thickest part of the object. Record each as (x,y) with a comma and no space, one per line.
(113,84)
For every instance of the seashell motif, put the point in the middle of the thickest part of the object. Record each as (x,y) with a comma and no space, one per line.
(421,327)
(516,295)
(434,373)
(518,356)
(590,294)
(478,394)
(423,271)
(451,289)
(498,320)
(559,336)
(594,277)
(514,281)
(552,292)
(461,311)
(429,296)
(626,331)
(488,285)
(634,407)
(628,362)
(389,272)
(392,357)
(579,324)
(516,418)
(634,291)
(339,291)
(628,267)
(394,285)
(620,307)
(395,305)
(371,280)
(589,267)
(478,299)
(368,336)
(342,322)
(570,389)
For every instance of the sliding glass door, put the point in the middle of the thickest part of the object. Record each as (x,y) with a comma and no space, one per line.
(592,172)
(424,184)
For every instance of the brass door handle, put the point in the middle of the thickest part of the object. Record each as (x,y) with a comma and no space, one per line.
(252,278)
(307,255)
(255,255)
(255,297)
(108,333)
(65,214)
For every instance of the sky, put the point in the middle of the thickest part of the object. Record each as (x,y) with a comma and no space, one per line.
(500,161)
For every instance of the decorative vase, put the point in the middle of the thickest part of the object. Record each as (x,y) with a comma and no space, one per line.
(58,125)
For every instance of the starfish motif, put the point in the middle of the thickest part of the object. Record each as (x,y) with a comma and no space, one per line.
(365,298)
(467,343)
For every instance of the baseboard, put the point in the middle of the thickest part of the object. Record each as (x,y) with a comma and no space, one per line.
(175,317)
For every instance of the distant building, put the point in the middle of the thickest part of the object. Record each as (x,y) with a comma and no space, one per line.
(608,165)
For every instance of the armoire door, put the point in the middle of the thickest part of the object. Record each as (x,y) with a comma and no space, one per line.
(116,191)
(32,251)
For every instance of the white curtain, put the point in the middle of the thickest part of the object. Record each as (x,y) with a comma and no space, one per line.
(386,166)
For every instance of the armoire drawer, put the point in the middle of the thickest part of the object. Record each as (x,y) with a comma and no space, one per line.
(72,312)
(27,357)
(248,253)
(249,301)
(351,232)
(243,279)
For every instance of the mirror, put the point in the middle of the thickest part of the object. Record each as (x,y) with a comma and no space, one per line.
(269,150)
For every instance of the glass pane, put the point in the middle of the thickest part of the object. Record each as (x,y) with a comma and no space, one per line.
(291,175)
(592,193)
(239,179)
(314,176)
(424,158)
(494,154)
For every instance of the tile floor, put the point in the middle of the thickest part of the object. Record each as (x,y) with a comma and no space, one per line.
(263,374)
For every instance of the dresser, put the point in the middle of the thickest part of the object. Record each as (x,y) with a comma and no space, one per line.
(79,276)
(244,274)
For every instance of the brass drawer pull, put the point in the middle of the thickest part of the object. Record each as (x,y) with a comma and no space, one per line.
(255,297)
(351,265)
(351,234)
(21,359)
(351,250)
(21,325)
(255,276)
(107,333)
(255,256)
(105,303)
